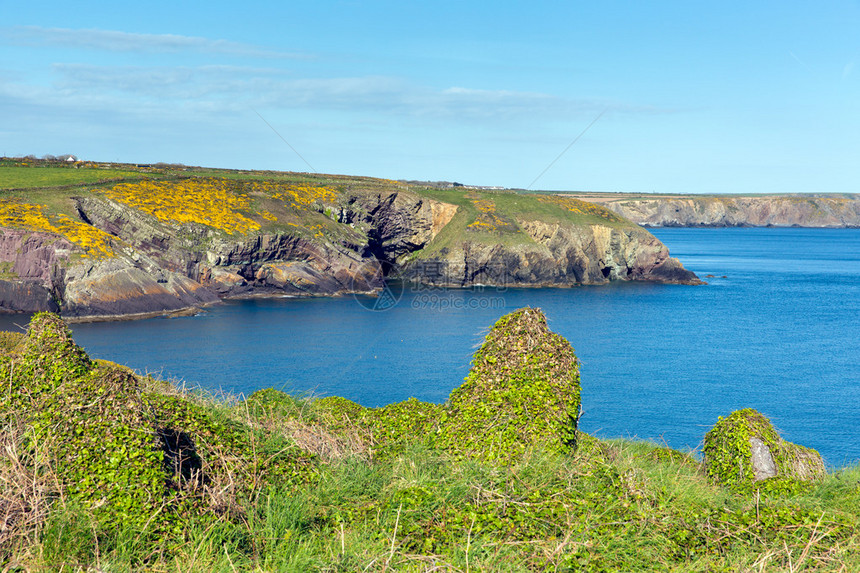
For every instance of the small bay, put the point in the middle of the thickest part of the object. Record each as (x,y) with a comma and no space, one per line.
(780,333)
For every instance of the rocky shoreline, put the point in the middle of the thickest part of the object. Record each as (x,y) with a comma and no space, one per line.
(348,241)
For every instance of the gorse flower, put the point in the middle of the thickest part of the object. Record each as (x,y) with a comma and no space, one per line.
(94,242)
(580,207)
(211,202)
(221,204)
(299,196)
(488,219)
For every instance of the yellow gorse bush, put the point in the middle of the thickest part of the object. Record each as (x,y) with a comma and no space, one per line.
(488,219)
(94,242)
(581,207)
(211,202)
(302,196)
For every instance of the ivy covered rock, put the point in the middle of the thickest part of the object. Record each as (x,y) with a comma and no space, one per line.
(745,452)
(134,456)
(398,425)
(522,391)
(88,425)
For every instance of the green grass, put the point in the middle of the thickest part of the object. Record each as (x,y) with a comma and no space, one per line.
(56,185)
(512,208)
(621,510)
(20,177)
(610,505)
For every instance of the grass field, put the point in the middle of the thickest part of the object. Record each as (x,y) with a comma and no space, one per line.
(24,177)
(615,505)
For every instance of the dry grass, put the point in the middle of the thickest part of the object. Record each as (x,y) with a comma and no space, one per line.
(315,439)
(25,493)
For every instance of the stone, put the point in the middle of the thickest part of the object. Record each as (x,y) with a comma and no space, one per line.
(761,459)
(744,449)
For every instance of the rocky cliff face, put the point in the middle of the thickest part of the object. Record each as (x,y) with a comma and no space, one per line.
(398,223)
(47,276)
(764,211)
(33,267)
(559,255)
(341,246)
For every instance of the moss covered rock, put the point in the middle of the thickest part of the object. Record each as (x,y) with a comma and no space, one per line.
(745,452)
(522,391)
(398,425)
(336,412)
(269,403)
(9,341)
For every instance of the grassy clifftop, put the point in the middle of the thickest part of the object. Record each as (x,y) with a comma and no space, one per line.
(238,203)
(106,240)
(234,204)
(105,470)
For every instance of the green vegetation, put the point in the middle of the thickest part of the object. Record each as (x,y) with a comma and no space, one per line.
(728,453)
(25,176)
(496,217)
(522,393)
(207,203)
(101,469)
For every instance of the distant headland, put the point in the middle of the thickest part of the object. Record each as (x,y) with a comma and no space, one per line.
(796,210)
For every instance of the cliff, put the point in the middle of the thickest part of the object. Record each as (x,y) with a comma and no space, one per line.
(737,211)
(173,241)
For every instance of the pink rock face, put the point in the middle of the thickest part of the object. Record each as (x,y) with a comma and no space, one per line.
(34,256)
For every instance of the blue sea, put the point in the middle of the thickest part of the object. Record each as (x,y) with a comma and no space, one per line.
(776,329)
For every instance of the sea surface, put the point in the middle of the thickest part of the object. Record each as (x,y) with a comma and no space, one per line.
(776,329)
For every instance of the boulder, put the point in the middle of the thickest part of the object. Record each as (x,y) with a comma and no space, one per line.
(522,392)
(743,450)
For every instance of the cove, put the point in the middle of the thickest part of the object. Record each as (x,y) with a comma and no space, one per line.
(661,362)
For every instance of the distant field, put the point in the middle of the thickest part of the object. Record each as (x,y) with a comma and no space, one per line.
(19,177)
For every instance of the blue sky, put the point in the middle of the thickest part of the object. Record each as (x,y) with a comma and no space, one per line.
(695,97)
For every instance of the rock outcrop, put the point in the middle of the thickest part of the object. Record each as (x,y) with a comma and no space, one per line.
(744,449)
(522,392)
(736,211)
(114,287)
(131,456)
(398,223)
(33,269)
(557,255)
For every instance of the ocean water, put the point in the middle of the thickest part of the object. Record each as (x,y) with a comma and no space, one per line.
(780,333)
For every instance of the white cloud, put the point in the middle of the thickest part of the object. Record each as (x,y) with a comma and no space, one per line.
(116,41)
(239,89)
